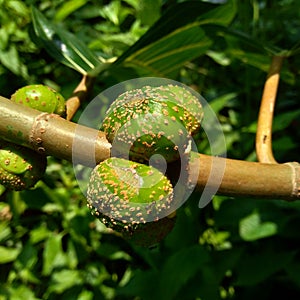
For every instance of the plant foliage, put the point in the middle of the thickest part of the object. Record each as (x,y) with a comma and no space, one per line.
(51,247)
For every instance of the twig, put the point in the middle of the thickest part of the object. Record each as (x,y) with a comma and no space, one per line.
(79,95)
(51,134)
(55,136)
(264,126)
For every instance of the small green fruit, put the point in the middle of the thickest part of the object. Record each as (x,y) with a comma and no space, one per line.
(152,120)
(20,168)
(131,198)
(42,98)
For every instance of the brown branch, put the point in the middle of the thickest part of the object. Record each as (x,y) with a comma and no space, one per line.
(55,136)
(51,134)
(79,95)
(242,178)
(264,126)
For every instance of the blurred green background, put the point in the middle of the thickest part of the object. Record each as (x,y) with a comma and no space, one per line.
(234,248)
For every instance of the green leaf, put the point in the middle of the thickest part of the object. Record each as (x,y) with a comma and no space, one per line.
(251,228)
(21,292)
(148,11)
(10,58)
(64,280)
(28,257)
(176,38)
(281,121)
(53,255)
(176,16)
(68,8)
(179,268)
(168,54)
(8,254)
(64,46)
(219,103)
(222,15)
(254,43)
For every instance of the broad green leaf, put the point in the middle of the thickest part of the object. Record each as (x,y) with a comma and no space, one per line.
(64,46)
(8,254)
(222,15)
(178,15)
(253,43)
(53,255)
(252,228)
(176,38)
(260,61)
(168,54)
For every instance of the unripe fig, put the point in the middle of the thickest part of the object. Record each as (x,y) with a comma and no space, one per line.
(152,120)
(131,198)
(42,98)
(20,168)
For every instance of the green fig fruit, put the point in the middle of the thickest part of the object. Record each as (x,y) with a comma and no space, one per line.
(42,98)
(152,120)
(131,198)
(20,168)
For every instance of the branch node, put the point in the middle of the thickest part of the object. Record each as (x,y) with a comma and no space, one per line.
(295,166)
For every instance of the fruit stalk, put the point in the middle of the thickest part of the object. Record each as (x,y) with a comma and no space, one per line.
(79,95)
(264,125)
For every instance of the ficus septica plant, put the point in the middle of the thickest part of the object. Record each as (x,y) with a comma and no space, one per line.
(125,191)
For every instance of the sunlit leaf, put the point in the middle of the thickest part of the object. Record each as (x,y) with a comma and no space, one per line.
(169,53)
(252,228)
(64,280)
(176,38)
(67,8)
(8,254)
(175,16)
(64,46)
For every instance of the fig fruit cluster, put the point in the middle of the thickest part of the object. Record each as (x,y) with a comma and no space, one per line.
(126,192)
